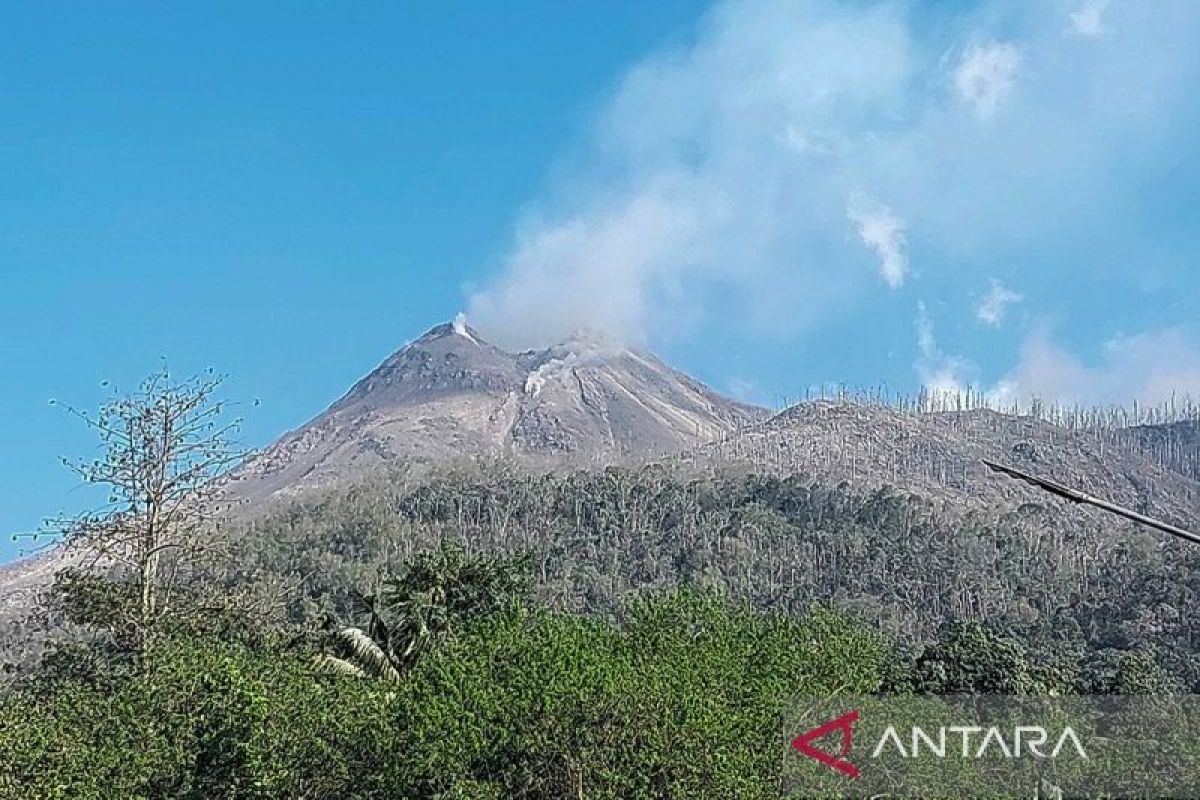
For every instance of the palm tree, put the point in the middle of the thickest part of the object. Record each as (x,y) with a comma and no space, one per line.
(364,657)
(436,592)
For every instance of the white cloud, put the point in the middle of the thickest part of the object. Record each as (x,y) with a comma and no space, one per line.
(1148,367)
(711,193)
(994,306)
(986,75)
(713,170)
(883,232)
(1088,19)
(940,373)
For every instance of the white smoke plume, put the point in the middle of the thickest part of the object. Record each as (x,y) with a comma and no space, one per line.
(710,194)
(459,326)
(696,183)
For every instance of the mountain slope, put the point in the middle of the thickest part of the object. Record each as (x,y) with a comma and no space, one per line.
(450,394)
(587,402)
(938,456)
(1174,445)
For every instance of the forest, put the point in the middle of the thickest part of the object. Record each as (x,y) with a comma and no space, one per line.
(1073,584)
(486,631)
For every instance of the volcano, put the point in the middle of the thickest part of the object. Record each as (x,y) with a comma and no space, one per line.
(450,394)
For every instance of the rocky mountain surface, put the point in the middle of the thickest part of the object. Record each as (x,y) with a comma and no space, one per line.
(450,394)
(22,581)
(1175,445)
(939,455)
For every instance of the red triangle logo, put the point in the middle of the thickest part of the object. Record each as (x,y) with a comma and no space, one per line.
(803,743)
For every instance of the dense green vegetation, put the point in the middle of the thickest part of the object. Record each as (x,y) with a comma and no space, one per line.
(1081,587)
(576,667)
(684,698)
(485,632)
(681,694)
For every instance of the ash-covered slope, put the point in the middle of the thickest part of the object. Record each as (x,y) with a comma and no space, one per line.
(1174,445)
(938,456)
(451,394)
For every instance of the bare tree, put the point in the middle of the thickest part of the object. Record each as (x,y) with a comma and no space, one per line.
(166,452)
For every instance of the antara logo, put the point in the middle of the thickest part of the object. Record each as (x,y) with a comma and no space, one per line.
(803,743)
(976,742)
(1022,740)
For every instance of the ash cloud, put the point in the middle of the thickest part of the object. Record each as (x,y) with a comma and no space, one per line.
(711,194)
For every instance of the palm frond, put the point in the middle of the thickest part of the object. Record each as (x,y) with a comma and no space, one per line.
(338,666)
(369,655)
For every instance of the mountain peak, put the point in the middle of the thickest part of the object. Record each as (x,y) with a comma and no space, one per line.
(456,327)
(448,359)
(450,394)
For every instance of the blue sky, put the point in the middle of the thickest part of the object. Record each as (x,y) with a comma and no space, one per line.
(773,195)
